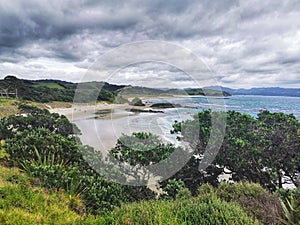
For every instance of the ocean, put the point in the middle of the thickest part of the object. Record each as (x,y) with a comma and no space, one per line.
(250,104)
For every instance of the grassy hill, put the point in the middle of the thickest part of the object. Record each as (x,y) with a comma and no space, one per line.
(133,91)
(56,90)
(24,202)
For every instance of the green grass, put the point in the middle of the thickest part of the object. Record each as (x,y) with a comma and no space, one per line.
(22,202)
(7,101)
(49,85)
(8,106)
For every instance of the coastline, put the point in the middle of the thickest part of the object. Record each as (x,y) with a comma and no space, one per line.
(79,111)
(102,123)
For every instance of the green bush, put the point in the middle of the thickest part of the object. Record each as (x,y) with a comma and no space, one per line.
(255,200)
(32,118)
(59,164)
(183,193)
(202,210)
(173,187)
(35,145)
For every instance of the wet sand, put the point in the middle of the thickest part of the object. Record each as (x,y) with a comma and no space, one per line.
(102,124)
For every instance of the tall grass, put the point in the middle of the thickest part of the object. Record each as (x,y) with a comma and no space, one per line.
(23,203)
(204,210)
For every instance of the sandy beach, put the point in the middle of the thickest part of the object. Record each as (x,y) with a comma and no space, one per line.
(103,123)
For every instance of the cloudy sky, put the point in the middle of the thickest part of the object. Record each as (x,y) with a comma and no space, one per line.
(243,43)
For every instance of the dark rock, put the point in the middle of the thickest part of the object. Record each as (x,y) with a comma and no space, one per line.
(144,110)
(165,105)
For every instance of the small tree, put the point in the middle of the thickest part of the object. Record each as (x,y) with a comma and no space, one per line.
(140,150)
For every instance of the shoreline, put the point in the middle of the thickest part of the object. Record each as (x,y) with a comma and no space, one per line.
(81,111)
(102,124)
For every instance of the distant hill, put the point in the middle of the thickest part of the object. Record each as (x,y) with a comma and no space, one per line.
(268,91)
(57,90)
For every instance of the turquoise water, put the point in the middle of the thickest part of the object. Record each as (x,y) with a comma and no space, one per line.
(242,103)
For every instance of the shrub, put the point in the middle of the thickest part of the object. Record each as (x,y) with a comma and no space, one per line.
(57,161)
(255,200)
(183,193)
(39,143)
(201,210)
(33,118)
(173,187)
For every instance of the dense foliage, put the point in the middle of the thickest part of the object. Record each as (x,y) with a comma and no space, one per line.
(31,118)
(207,209)
(141,149)
(256,201)
(263,149)
(23,202)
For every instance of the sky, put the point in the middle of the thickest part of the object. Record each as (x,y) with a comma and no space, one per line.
(243,44)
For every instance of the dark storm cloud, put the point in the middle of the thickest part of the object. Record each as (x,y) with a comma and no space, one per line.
(238,40)
(23,21)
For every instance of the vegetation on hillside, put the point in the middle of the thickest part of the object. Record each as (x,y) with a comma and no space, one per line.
(24,202)
(56,90)
(44,145)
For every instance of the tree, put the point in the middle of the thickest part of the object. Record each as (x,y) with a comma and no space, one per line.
(260,150)
(139,151)
(281,152)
